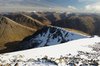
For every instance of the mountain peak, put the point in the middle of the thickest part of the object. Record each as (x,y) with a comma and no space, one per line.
(3,19)
(11,31)
(49,35)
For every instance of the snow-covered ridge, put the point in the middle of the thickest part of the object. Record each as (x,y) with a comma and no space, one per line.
(49,36)
(76,47)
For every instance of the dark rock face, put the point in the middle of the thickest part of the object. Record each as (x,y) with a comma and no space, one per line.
(48,36)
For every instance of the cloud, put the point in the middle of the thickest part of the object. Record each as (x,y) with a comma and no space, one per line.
(90,6)
(49,5)
(71,8)
(89,1)
(95,7)
(21,5)
(44,3)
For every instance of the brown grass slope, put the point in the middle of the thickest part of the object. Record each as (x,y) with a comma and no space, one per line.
(11,31)
(77,32)
(25,20)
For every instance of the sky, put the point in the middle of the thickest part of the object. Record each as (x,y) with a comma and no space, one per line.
(50,5)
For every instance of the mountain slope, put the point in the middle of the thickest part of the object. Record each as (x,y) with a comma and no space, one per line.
(40,17)
(11,31)
(25,20)
(82,23)
(53,17)
(49,36)
(71,50)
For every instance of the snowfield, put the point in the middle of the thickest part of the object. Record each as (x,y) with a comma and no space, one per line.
(84,48)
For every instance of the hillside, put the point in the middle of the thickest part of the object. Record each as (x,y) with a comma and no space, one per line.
(82,23)
(24,20)
(78,52)
(40,17)
(11,31)
(52,17)
(49,36)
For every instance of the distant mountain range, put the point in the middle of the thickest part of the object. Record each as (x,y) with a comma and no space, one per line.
(88,23)
(25,30)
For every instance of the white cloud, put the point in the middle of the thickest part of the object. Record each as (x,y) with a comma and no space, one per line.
(23,5)
(93,7)
(71,8)
(15,5)
(90,6)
